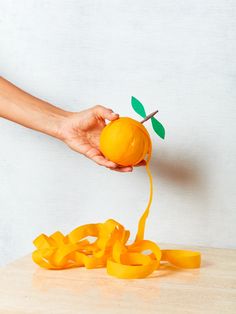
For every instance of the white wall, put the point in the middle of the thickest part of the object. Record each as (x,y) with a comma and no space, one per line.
(177,56)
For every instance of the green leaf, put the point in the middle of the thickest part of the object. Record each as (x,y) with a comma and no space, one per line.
(158,128)
(138,107)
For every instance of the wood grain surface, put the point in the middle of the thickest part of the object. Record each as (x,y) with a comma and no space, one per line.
(25,288)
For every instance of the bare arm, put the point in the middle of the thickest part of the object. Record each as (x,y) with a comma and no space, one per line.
(20,107)
(79,130)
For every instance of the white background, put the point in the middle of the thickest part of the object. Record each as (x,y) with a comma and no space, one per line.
(176,56)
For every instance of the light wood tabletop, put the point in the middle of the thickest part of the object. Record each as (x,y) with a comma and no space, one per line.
(25,288)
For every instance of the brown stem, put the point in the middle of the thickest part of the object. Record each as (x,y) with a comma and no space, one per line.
(149,116)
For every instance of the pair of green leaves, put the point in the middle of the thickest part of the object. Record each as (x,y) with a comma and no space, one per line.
(139,109)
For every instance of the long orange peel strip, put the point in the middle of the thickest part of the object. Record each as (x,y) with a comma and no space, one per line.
(110,249)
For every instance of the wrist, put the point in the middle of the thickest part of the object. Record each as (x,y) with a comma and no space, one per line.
(56,123)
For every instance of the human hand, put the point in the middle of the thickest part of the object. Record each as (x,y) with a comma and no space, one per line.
(81,132)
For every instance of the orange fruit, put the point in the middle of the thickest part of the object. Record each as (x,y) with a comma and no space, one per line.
(125,141)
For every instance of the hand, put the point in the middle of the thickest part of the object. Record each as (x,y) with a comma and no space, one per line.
(81,132)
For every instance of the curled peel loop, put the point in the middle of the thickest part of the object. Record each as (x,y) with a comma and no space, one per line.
(110,249)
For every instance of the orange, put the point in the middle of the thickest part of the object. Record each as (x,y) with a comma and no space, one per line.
(125,141)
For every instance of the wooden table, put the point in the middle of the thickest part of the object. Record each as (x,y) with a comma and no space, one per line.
(25,288)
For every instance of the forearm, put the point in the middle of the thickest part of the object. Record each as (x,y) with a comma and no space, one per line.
(31,112)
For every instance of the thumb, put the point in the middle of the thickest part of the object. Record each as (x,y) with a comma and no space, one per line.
(105,113)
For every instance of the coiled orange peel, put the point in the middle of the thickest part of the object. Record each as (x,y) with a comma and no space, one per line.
(127,142)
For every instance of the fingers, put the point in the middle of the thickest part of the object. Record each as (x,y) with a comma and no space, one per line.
(105,113)
(96,156)
(129,168)
(123,169)
(100,160)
